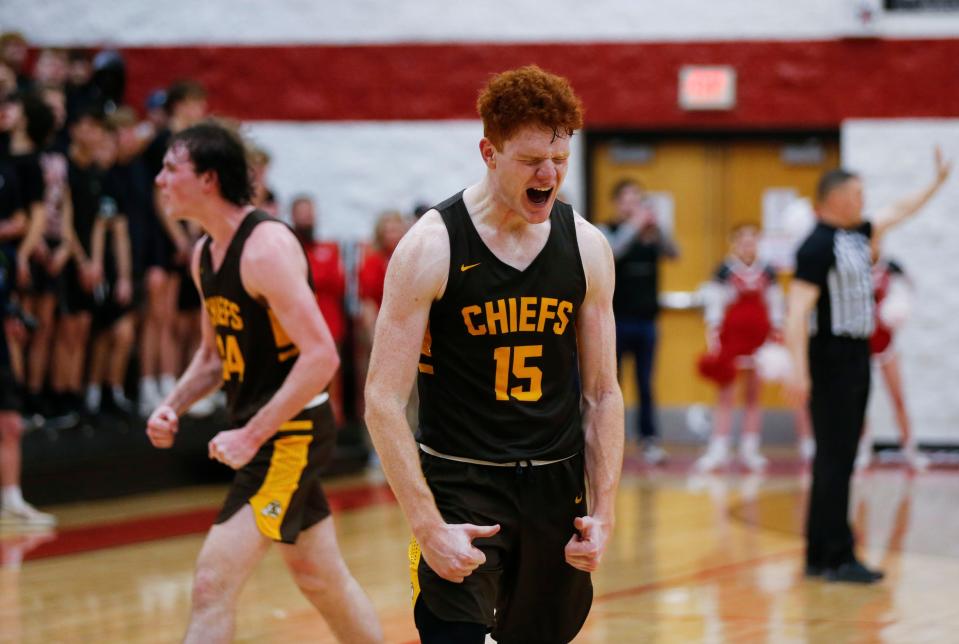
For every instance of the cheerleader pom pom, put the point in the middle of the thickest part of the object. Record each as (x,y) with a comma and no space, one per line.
(716,367)
(773,362)
(895,308)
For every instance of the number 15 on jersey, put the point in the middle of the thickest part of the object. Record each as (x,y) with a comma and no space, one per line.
(528,379)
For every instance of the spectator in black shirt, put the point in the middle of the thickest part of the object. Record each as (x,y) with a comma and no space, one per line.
(90,198)
(638,243)
(113,325)
(33,124)
(56,99)
(13,218)
(833,279)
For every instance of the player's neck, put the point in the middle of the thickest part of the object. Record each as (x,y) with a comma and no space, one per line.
(489,212)
(221,220)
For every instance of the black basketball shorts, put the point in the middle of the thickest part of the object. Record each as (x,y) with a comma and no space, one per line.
(282,482)
(525,592)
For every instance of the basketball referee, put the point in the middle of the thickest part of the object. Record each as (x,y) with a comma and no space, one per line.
(832,289)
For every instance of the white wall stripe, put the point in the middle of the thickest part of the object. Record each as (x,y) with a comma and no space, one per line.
(140,22)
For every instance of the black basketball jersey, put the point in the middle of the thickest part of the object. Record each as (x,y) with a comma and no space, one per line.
(499,372)
(257,355)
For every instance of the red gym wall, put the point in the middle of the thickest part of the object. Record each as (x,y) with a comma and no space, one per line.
(780,83)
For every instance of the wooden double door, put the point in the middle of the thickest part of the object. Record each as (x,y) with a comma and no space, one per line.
(704,186)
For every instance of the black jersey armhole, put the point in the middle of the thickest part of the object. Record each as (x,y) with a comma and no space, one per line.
(449,209)
(566,217)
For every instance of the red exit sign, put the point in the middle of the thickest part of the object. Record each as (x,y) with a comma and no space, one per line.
(707,87)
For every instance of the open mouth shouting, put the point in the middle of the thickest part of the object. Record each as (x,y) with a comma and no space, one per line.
(539,196)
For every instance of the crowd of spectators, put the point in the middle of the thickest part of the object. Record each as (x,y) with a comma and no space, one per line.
(101,275)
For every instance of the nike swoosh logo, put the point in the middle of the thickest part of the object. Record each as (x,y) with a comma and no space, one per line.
(464,267)
(579,499)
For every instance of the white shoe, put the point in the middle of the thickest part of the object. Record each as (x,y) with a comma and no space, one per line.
(749,454)
(24,514)
(807,449)
(166,385)
(716,456)
(149,398)
(203,407)
(653,454)
(916,460)
(93,398)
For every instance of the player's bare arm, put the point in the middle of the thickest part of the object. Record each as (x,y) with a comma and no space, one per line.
(273,269)
(910,205)
(802,299)
(203,375)
(602,399)
(416,276)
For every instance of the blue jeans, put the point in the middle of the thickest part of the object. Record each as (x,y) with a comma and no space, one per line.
(638,337)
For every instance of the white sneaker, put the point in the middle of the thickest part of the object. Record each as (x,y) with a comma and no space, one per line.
(716,456)
(203,407)
(749,454)
(93,398)
(916,460)
(807,449)
(653,454)
(166,385)
(24,514)
(149,398)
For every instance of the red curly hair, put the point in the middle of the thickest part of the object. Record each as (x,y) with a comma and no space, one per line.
(528,96)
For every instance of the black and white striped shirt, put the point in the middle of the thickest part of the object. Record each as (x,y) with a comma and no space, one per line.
(838,261)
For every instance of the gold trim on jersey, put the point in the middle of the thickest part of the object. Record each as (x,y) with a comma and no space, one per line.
(426,352)
(284,346)
(295,425)
(272,500)
(414,555)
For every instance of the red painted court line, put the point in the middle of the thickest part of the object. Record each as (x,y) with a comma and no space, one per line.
(153,528)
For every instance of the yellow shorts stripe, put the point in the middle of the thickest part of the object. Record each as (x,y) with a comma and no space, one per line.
(272,500)
(296,425)
(414,554)
(426,368)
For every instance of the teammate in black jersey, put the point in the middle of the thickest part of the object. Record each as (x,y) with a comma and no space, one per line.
(264,340)
(500,298)
(831,360)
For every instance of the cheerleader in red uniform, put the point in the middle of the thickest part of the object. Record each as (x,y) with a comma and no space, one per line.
(893,293)
(744,309)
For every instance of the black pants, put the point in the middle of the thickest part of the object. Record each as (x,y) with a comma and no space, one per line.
(840,371)
(638,337)
(525,592)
